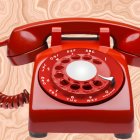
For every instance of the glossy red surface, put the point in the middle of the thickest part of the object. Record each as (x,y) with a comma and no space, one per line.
(104,37)
(57,84)
(49,115)
(26,57)
(32,36)
(56,36)
(114,115)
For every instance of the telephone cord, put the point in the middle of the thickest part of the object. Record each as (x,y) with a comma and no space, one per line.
(14,101)
(3,43)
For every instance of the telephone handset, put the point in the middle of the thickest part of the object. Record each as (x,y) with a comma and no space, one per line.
(79,84)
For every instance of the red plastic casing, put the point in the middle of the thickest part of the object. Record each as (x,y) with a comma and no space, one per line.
(27,41)
(48,115)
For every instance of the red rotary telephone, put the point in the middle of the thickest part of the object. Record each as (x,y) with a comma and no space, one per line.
(79,84)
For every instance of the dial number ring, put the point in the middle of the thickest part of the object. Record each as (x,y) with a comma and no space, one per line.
(71,91)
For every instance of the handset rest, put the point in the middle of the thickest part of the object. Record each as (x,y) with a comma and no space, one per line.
(28,40)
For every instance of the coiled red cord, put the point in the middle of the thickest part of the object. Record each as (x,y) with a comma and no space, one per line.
(14,101)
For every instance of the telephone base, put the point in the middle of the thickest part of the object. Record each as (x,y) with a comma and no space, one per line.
(54,103)
(123,136)
(37,135)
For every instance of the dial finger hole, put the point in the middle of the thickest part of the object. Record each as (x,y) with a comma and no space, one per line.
(64,82)
(75,86)
(66,60)
(59,75)
(87,57)
(59,67)
(97,83)
(75,57)
(96,61)
(87,87)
